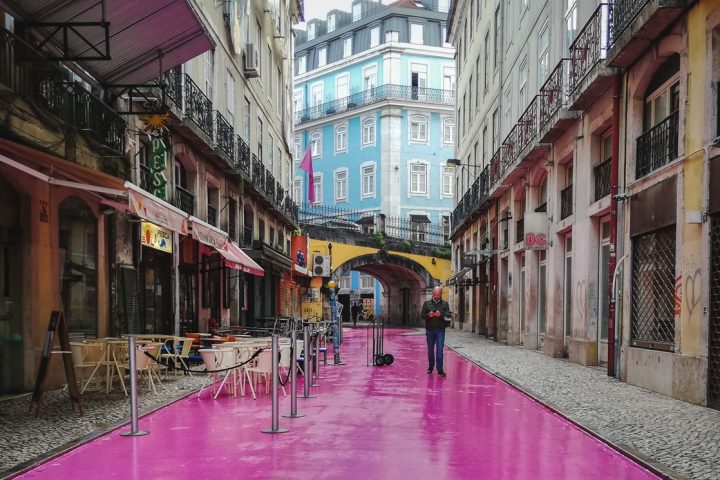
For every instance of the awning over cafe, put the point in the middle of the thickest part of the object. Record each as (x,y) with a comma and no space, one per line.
(237,259)
(205,233)
(152,209)
(142,36)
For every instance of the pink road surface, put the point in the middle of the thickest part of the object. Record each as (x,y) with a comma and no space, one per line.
(392,422)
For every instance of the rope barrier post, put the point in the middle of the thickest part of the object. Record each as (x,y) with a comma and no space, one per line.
(275,427)
(293,377)
(307,365)
(316,360)
(134,431)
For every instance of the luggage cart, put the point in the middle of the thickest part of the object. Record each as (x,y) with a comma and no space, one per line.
(379,357)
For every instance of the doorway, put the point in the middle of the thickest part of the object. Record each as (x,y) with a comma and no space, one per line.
(155,292)
(603,290)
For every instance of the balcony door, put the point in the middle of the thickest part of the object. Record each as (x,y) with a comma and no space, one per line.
(418,81)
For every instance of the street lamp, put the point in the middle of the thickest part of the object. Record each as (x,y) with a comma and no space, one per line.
(334,321)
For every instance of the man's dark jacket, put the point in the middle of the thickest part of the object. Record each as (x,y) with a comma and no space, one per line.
(432,306)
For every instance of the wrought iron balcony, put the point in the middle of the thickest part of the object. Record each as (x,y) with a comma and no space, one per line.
(527,126)
(184,200)
(258,172)
(291,208)
(212,215)
(623,12)
(589,47)
(374,95)
(553,93)
(602,180)
(197,107)
(224,135)
(279,194)
(48,85)
(566,202)
(520,230)
(476,195)
(658,146)
(270,184)
(244,157)
(173,81)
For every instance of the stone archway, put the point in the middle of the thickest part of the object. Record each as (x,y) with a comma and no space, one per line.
(406,284)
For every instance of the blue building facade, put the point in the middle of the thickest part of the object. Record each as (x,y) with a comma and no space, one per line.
(374,100)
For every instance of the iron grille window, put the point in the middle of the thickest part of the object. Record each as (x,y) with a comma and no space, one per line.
(653,289)
(566,202)
(602,180)
(658,146)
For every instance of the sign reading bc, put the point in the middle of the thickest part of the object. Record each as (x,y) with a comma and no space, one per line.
(536,240)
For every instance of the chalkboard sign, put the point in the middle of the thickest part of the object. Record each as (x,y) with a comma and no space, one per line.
(56,325)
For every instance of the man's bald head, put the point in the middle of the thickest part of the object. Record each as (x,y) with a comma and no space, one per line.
(437,293)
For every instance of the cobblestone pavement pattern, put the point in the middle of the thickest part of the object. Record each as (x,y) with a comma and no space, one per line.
(26,438)
(657,428)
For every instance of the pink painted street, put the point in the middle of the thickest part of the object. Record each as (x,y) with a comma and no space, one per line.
(365,422)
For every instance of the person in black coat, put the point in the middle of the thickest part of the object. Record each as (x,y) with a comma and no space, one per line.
(433,312)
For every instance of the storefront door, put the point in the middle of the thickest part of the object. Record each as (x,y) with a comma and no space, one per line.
(11,271)
(156,294)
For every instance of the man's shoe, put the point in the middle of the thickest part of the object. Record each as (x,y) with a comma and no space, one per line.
(429,370)
(441,373)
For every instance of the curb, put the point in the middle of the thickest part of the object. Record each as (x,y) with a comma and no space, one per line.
(633,454)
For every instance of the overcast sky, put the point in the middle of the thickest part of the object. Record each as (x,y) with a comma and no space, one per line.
(319,8)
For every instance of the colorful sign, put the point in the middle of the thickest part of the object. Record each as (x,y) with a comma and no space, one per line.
(155,237)
(145,207)
(157,166)
(536,231)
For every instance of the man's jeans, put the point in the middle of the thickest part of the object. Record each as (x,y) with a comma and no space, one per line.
(435,343)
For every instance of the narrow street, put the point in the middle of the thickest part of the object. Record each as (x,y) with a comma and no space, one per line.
(366,422)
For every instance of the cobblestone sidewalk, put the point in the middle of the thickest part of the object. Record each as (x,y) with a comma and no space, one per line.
(680,439)
(26,439)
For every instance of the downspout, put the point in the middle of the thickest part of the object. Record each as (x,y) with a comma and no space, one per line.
(614,170)
(494,270)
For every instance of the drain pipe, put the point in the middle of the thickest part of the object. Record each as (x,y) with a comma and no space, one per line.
(614,168)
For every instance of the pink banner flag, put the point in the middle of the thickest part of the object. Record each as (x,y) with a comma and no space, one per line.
(307,167)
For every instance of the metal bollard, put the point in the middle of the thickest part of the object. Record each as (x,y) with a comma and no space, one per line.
(307,378)
(293,378)
(275,427)
(316,349)
(134,432)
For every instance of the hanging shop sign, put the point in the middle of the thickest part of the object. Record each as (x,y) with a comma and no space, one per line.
(536,231)
(155,237)
(158,165)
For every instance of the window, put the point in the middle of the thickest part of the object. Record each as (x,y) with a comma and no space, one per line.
(570,23)
(543,54)
(311,31)
(342,87)
(445,226)
(448,131)
(449,78)
(369,78)
(246,121)
(347,47)
(368,131)
(356,12)
(418,128)
(316,143)
(496,39)
(495,132)
(316,95)
(346,281)
(523,84)
(416,33)
(485,144)
(209,73)
(317,185)
(270,153)
(341,186)
(260,139)
(568,287)
(448,174)
(508,21)
(341,144)
(298,103)
(392,36)
(374,37)
(507,106)
(368,180)
(487,62)
(418,229)
(297,189)
(230,94)
(322,56)
(477,82)
(302,65)
(418,179)
(331,23)
(444,37)
(296,147)
(367,282)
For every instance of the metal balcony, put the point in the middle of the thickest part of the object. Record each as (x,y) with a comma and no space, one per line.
(224,136)
(635,24)
(657,147)
(212,215)
(184,200)
(374,95)
(197,107)
(244,157)
(602,180)
(589,78)
(554,119)
(258,173)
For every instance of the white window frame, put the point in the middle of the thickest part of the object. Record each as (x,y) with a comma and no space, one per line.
(318,185)
(448,78)
(417,32)
(347,47)
(296,148)
(367,180)
(356,12)
(297,189)
(340,183)
(322,56)
(317,90)
(311,30)
(507,106)
(392,36)
(448,182)
(246,120)
(448,131)
(422,122)
(302,64)
(298,101)
(364,280)
(346,282)
(271,153)
(374,36)
(368,131)
(230,93)
(524,91)
(341,138)
(316,143)
(422,190)
(543,57)
(331,22)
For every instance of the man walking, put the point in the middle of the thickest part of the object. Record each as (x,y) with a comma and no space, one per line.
(354,312)
(433,312)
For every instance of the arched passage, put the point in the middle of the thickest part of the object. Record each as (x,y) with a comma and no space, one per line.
(405,283)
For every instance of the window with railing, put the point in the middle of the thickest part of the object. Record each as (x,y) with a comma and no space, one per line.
(184,200)
(519,230)
(658,146)
(602,180)
(566,202)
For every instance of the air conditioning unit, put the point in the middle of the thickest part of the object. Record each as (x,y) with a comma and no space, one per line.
(252,61)
(321,265)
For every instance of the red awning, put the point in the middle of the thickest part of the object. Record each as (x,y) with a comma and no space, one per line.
(237,259)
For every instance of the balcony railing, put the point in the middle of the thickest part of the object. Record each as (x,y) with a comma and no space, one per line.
(184,200)
(48,85)
(566,202)
(145,177)
(621,14)
(270,184)
(527,125)
(658,146)
(474,196)
(553,93)
(247,237)
(198,107)
(212,215)
(244,157)
(373,95)
(258,172)
(602,180)
(173,81)
(279,194)
(224,135)
(291,208)
(589,47)
(520,230)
